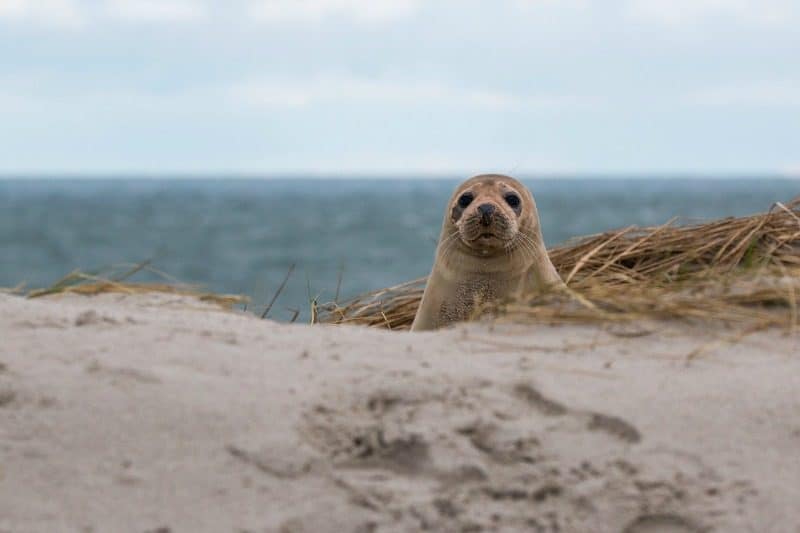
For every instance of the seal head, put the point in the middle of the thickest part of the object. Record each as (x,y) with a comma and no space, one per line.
(486,215)
(490,248)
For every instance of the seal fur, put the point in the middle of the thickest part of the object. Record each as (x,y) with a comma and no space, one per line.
(490,249)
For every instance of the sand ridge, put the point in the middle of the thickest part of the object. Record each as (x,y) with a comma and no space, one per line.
(160,413)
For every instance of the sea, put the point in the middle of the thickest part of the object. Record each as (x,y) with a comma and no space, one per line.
(345,236)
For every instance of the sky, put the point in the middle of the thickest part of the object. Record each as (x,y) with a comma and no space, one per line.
(350,87)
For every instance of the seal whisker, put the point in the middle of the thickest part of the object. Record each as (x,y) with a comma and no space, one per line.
(448,243)
(530,245)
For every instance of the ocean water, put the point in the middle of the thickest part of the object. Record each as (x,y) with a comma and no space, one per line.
(241,236)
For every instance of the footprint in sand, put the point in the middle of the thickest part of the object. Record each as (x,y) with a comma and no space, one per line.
(609,424)
(661,523)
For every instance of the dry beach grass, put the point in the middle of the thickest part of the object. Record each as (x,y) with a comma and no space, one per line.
(116,279)
(733,269)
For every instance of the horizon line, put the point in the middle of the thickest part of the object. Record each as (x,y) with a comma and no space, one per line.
(359,175)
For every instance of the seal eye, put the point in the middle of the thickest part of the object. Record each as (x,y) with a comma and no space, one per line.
(465,199)
(512,200)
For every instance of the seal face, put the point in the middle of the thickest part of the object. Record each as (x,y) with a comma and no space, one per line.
(486,217)
(490,248)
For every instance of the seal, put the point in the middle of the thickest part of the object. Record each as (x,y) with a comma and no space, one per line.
(490,249)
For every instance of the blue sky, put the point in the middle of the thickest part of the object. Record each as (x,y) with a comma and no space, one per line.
(399,86)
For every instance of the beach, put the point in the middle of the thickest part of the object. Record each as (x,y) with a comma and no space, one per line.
(157,412)
(221,221)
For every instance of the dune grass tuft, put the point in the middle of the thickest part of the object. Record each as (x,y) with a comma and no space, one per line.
(744,269)
(115,279)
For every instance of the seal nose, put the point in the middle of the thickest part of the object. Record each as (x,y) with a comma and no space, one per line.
(486,211)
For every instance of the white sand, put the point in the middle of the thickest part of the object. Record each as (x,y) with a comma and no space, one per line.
(157,413)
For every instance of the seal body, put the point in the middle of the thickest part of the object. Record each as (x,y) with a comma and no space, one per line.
(490,249)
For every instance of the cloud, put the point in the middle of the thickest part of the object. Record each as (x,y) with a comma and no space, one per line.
(74,14)
(14,102)
(754,94)
(53,13)
(682,12)
(283,94)
(155,10)
(791,171)
(364,11)
(559,4)
(420,162)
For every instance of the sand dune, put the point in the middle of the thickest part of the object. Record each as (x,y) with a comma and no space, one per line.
(160,413)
